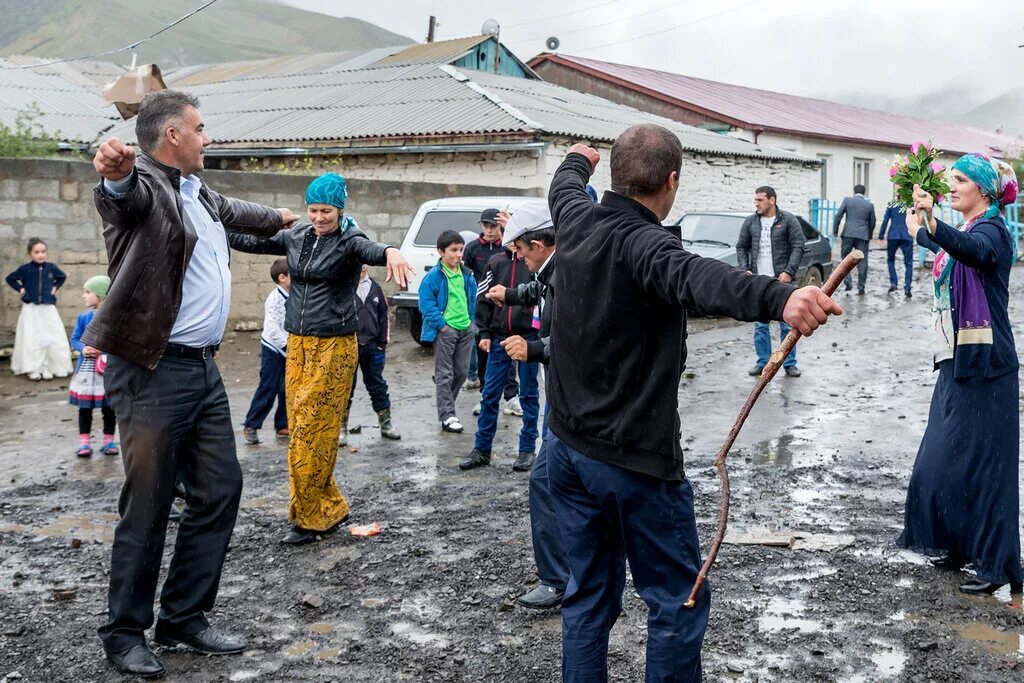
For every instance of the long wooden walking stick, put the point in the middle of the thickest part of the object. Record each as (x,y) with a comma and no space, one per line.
(769,371)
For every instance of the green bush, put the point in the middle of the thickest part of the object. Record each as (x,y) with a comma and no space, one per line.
(27,138)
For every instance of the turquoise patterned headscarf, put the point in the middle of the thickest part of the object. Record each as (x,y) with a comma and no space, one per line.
(994,178)
(330,188)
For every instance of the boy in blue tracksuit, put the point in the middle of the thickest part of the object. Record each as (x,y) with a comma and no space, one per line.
(447,302)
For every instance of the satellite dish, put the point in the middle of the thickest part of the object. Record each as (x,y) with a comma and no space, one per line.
(490,28)
(552,43)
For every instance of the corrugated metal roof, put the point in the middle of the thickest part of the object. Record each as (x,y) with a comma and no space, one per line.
(189,76)
(69,110)
(423,100)
(764,110)
(440,52)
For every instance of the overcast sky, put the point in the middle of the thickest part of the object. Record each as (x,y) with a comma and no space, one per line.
(805,47)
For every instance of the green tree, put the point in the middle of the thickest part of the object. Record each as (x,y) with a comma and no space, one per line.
(27,138)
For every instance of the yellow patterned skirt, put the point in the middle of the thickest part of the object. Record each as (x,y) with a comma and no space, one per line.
(318,380)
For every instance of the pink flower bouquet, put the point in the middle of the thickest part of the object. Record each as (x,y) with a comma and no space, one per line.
(918,168)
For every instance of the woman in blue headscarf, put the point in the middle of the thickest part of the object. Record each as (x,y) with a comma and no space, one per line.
(325,257)
(962,503)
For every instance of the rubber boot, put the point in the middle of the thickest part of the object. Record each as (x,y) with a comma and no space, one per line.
(387,430)
(343,437)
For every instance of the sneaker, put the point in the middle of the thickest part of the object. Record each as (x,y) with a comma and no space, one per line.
(47,376)
(792,371)
(452,424)
(251,436)
(283,434)
(513,407)
(523,461)
(756,370)
(476,458)
(541,597)
(110,448)
(34,376)
(476,409)
(471,385)
(84,451)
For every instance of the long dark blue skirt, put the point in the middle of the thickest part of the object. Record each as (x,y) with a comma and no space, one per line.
(963,494)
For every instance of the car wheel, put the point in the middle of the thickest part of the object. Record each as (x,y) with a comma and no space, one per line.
(813,276)
(416,326)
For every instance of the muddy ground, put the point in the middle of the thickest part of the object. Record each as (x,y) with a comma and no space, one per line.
(430,598)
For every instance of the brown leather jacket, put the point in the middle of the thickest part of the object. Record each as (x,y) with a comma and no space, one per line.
(149,246)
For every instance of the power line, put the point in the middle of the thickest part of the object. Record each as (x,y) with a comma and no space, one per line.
(559,16)
(130,46)
(603,24)
(670,28)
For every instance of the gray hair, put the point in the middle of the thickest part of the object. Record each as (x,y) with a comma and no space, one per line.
(643,158)
(157,110)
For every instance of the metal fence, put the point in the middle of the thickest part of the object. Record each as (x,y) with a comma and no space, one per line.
(823,214)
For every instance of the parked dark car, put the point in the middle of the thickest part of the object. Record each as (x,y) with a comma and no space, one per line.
(714,234)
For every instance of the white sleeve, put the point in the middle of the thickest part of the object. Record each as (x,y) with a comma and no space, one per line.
(273,321)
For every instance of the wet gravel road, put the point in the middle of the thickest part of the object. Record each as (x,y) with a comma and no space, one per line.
(430,598)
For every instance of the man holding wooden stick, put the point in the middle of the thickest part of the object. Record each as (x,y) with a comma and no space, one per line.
(616,465)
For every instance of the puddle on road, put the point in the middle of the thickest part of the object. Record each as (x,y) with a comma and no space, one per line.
(97,527)
(782,614)
(890,659)
(299,649)
(992,640)
(789,450)
(1003,596)
(418,635)
(321,628)
(807,574)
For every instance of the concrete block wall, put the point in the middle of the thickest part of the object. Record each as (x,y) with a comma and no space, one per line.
(52,199)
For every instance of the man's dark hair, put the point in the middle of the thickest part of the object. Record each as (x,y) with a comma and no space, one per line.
(643,158)
(448,238)
(33,242)
(156,111)
(545,236)
(278,268)
(768,191)
(859,189)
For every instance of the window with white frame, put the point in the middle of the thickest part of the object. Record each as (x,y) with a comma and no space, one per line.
(861,173)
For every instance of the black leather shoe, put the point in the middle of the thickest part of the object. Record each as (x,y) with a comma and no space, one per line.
(860,292)
(947,562)
(299,536)
(476,458)
(209,641)
(977,587)
(541,597)
(523,461)
(892,288)
(138,660)
(908,295)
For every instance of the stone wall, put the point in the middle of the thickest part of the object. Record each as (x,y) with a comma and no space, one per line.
(52,199)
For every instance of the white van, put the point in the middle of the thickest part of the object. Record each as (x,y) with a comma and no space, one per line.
(419,247)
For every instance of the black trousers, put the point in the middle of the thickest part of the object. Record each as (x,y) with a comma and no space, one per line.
(849,244)
(85,420)
(175,426)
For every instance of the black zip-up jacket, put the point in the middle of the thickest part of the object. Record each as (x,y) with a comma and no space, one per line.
(479,253)
(503,321)
(325,272)
(374,323)
(38,280)
(617,329)
(787,244)
(149,241)
(538,292)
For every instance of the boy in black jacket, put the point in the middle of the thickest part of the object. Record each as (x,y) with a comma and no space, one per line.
(617,353)
(495,324)
(374,333)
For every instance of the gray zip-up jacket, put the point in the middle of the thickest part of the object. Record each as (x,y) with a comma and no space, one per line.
(860,218)
(324,271)
(787,244)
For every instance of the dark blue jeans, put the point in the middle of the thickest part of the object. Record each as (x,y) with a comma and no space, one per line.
(548,550)
(371,362)
(907,247)
(498,365)
(271,388)
(607,514)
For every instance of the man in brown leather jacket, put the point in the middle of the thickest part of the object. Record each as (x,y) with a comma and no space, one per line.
(164,318)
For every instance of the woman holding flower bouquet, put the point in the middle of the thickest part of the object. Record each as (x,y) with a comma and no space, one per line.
(962,503)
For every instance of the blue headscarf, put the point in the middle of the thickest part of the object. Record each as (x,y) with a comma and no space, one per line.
(330,188)
(994,178)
